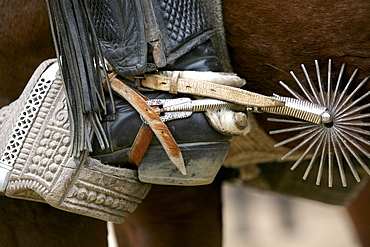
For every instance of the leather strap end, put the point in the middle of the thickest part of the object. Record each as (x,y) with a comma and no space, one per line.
(141,144)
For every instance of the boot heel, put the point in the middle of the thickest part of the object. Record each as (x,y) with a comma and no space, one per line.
(202,160)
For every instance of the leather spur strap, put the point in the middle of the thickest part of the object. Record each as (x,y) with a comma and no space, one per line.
(143,137)
(140,144)
(208,89)
(155,123)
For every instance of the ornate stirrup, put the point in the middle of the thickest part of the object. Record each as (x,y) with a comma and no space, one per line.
(37,163)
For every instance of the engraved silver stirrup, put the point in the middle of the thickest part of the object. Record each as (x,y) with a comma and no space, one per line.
(37,163)
(335,127)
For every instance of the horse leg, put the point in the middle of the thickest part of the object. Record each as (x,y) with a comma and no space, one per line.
(175,216)
(360,215)
(25,223)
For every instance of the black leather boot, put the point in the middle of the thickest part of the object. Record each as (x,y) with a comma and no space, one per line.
(202,147)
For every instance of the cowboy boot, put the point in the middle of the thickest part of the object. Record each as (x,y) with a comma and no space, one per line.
(203,148)
(137,37)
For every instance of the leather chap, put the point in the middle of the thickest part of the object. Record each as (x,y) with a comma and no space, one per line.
(138,36)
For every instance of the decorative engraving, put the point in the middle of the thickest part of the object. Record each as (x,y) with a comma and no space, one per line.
(43,168)
(108,191)
(28,116)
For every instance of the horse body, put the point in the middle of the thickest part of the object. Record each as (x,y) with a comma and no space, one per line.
(25,42)
(266,38)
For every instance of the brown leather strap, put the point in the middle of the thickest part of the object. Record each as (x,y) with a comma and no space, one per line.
(140,144)
(143,137)
(154,121)
(209,89)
